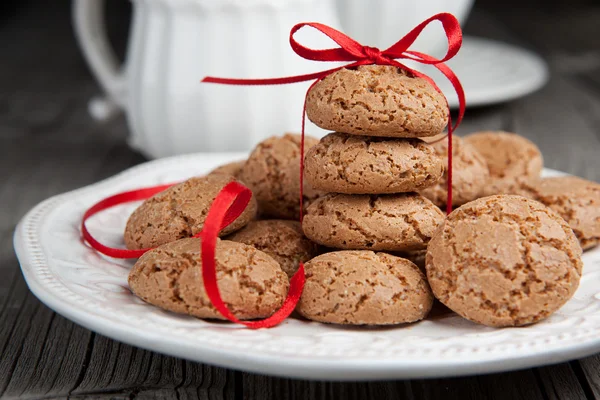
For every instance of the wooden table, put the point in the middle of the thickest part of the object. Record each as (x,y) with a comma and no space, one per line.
(49,144)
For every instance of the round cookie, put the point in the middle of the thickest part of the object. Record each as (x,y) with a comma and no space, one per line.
(377,100)
(179,212)
(504,261)
(361,164)
(233,168)
(512,160)
(469,174)
(362,287)
(251,283)
(576,200)
(273,173)
(395,222)
(283,240)
(417,257)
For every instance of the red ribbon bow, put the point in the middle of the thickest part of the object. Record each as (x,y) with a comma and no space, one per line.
(233,198)
(351,50)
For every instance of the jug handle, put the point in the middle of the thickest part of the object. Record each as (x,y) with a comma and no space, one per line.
(90,31)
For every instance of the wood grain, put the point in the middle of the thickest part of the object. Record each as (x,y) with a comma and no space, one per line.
(49,144)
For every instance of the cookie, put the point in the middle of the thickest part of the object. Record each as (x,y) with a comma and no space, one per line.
(283,240)
(361,164)
(576,200)
(417,257)
(394,222)
(504,261)
(470,174)
(362,287)
(273,173)
(512,160)
(232,168)
(179,212)
(377,100)
(251,283)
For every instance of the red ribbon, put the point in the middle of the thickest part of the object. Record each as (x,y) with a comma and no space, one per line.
(357,54)
(228,205)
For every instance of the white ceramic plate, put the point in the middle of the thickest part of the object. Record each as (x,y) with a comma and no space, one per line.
(92,290)
(491,72)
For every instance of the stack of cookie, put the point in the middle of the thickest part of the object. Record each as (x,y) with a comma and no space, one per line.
(372,167)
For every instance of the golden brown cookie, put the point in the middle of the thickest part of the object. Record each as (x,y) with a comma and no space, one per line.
(273,173)
(283,240)
(251,283)
(504,261)
(394,222)
(361,164)
(377,100)
(511,159)
(232,168)
(417,257)
(361,287)
(179,212)
(470,174)
(576,200)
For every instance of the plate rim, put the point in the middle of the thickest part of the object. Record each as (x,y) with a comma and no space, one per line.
(272,364)
(508,92)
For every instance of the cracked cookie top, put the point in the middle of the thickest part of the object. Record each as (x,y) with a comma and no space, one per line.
(512,160)
(470,174)
(362,287)
(282,240)
(233,168)
(179,212)
(576,200)
(394,222)
(273,173)
(352,164)
(504,261)
(377,100)
(251,283)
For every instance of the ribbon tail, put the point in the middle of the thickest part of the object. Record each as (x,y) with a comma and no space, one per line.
(272,81)
(448,73)
(229,204)
(451,76)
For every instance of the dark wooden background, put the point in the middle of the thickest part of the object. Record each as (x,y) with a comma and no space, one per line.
(49,144)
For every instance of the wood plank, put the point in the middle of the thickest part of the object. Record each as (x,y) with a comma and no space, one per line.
(559,382)
(591,370)
(560,119)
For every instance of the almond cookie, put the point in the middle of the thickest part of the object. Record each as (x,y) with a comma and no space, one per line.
(273,173)
(179,212)
(395,222)
(361,164)
(504,261)
(251,283)
(417,257)
(233,168)
(576,200)
(282,240)
(377,100)
(361,287)
(512,160)
(470,174)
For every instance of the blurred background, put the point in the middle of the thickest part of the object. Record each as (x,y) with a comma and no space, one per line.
(51,79)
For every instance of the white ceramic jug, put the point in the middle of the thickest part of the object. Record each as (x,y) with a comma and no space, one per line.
(381,23)
(175,43)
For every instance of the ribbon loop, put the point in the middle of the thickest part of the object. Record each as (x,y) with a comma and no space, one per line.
(451,29)
(349,50)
